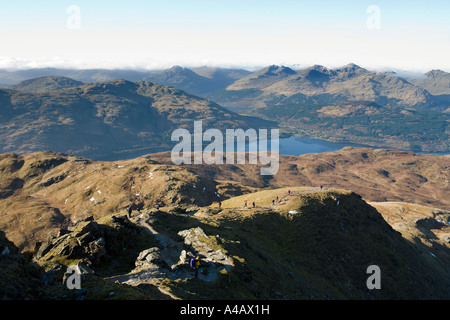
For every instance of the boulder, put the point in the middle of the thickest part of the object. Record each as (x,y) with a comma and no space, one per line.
(192,236)
(42,248)
(96,250)
(208,248)
(149,258)
(183,257)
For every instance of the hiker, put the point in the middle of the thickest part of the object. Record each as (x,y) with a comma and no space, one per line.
(195,264)
(277,199)
(321,186)
(245,204)
(220,204)
(253,204)
(289,192)
(273,202)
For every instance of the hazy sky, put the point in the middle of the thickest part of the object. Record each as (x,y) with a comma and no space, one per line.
(412,35)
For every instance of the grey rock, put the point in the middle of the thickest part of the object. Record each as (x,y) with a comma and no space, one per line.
(149,257)
(44,248)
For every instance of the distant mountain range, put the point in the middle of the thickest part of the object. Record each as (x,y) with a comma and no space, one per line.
(107,120)
(271,85)
(349,104)
(345,104)
(278,85)
(195,81)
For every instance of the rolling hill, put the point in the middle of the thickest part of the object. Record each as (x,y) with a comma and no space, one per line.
(319,85)
(376,174)
(45,84)
(437,82)
(348,104)
(108,120)
(365,123)
(195,80)
(51,187)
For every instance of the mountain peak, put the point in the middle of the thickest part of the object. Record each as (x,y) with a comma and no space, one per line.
(436,73)
(277,70)
(318,67)
(46,84)
(350,68)
(177,68)
(351,65)
(262,78)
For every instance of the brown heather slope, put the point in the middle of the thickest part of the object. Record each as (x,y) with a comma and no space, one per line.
(40,192)
(375,174)
(322,252)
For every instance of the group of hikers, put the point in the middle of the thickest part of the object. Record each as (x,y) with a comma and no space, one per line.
(253,204)
(274,201)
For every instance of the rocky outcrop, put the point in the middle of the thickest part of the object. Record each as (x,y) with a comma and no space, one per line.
(213,258)
(87,242)
(156,262)
(208,248)
(151,258)
(83,242)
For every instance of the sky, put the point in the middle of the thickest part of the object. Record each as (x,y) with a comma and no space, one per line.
(406,35)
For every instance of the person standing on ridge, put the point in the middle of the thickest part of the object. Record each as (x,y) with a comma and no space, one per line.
(195,264)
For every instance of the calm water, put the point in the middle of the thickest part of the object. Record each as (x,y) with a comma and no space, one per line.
(296,146)
(293,146)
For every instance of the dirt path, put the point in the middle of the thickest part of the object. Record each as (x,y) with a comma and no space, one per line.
(170,249)
(170,252)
